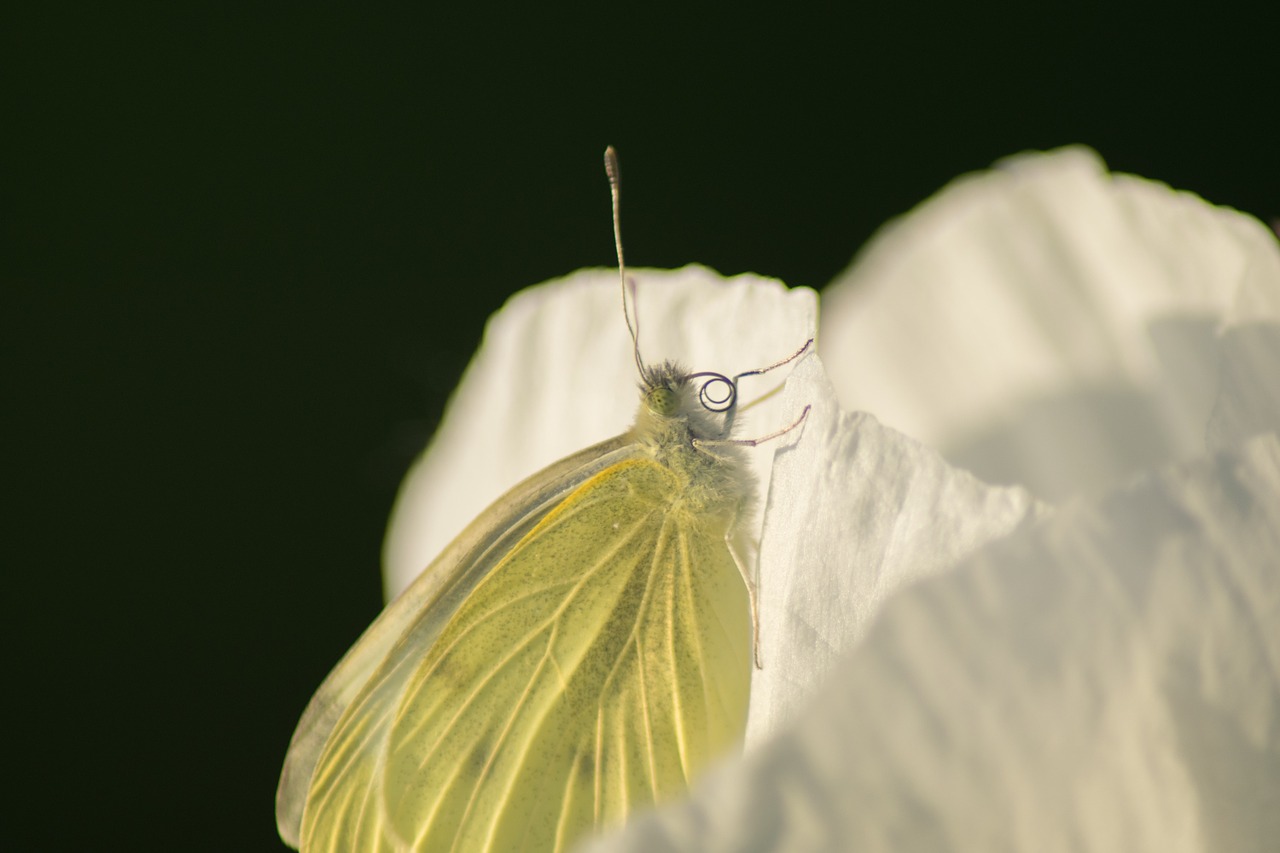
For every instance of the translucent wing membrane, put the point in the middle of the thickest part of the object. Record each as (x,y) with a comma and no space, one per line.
(417,615)
(585,676)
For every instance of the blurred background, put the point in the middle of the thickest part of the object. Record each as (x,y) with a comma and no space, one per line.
(248,255)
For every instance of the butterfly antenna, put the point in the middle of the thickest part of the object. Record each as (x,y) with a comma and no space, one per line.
(761,370)
(615,191)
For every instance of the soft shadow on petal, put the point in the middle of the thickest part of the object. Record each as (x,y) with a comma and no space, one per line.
(1248,401)
(555,374)
(1047,323)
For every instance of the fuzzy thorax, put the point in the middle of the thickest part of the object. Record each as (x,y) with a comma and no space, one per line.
(715,480)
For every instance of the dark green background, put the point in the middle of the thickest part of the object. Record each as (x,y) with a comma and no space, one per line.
(248,255)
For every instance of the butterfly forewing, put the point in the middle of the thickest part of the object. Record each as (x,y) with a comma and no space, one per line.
(585,676)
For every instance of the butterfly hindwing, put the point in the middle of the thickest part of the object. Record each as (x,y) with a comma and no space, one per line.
(410,623)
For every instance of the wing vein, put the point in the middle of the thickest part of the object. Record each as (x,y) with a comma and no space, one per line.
(520,645)
(681,581)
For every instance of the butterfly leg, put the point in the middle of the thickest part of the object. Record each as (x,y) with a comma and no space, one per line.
(736,546)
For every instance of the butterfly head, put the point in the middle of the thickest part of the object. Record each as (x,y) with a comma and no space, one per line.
(699,404)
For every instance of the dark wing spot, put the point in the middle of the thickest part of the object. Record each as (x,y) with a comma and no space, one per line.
(479,756)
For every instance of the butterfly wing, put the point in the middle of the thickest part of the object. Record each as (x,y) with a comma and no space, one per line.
(422,610)
(595,669)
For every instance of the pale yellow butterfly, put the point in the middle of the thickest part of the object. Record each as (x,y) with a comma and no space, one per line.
(581,650)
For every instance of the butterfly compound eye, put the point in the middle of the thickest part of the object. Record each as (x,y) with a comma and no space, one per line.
(661,401)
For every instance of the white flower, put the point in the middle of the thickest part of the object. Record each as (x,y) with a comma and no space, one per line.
(1086,657)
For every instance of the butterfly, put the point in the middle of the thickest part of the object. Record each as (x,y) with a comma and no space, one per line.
(583,649)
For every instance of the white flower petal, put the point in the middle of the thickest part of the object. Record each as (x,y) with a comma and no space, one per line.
(555,374)
(856,512)
(1047,323)
(1108,679)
